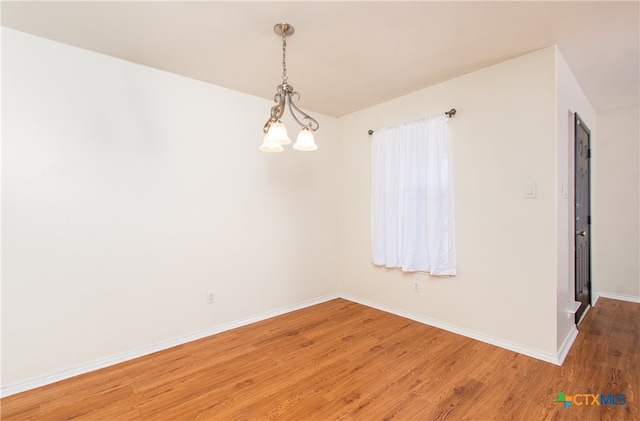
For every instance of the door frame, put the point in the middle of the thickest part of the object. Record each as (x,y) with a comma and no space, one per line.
(579,124)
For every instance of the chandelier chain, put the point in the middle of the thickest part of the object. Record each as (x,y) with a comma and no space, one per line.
(284,59)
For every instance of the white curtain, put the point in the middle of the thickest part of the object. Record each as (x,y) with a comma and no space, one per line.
(412,224)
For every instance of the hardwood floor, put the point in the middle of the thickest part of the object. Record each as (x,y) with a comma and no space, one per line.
(342,360)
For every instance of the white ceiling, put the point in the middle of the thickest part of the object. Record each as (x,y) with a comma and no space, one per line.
(349,55)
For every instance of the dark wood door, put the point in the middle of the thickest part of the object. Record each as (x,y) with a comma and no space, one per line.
(582,216)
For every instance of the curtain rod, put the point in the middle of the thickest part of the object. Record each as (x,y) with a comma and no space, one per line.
(449,114)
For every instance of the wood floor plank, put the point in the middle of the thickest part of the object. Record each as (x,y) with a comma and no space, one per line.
(343,361)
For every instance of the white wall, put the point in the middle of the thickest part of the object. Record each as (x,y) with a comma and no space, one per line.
(503,136)
(570,100)
(128,193)
(616,210)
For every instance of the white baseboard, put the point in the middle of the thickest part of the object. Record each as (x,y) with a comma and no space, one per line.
(126,356)
(566,344)
(159,346)
(615,296)
(550,358)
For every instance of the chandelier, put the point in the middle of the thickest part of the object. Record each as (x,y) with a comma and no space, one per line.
(275,132)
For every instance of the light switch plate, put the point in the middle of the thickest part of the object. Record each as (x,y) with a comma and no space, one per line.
(530,190)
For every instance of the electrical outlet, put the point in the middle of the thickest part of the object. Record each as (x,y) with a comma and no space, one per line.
(416,286)
(211,297)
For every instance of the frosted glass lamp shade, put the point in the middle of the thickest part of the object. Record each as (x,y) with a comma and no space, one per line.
(277,133)
(270,145)
(305,141)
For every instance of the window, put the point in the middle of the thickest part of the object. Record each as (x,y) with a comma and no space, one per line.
(412,213)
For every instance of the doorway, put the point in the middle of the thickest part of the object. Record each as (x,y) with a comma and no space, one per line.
(582,225)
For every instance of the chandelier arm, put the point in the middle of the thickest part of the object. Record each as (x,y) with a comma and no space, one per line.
(312,124)
(277,110)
